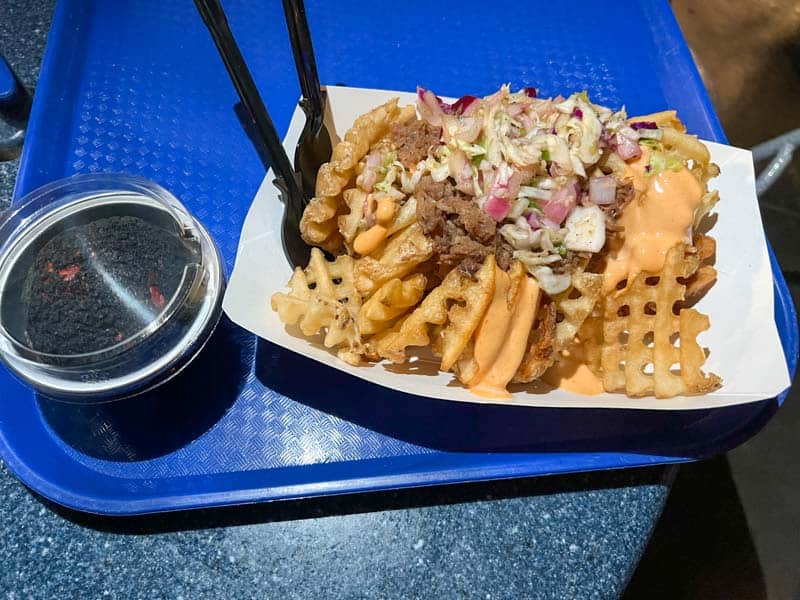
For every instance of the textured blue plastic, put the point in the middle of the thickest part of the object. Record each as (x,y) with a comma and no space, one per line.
(7,81)
(137,87)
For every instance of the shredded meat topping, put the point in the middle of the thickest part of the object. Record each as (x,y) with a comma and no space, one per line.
(570,262)
(624,194)
(413,140)
(463,235)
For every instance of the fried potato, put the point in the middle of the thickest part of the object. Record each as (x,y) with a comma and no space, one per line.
(350,224)
(639,327)
(356,200)
(458,304)
(402,253)
(590,337)
(465,366)
(405,217)
(393,299)
(707,202)
(322,297)
(318,223)
(686,145)
(703,279)
(541,353)
(575,304)
(318,226)
(664,118)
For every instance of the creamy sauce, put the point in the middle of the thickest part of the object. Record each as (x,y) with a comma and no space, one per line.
(368,241)
(571,374)
(502,336)
(659,217)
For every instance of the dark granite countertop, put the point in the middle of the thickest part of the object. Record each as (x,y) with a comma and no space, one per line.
(576,536)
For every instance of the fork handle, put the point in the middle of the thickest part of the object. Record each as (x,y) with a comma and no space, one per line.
(304,61)
(214,17)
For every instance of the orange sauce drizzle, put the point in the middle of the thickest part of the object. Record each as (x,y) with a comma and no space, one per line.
(502,336)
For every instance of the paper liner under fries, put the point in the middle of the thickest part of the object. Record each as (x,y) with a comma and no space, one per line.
(743,338)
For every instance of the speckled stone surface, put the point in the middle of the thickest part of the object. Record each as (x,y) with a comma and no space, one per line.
(573,536)
(561,537)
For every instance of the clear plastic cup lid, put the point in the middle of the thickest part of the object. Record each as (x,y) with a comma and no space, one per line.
(106,283)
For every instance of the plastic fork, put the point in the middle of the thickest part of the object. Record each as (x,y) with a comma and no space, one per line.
(286,179)
(314,147)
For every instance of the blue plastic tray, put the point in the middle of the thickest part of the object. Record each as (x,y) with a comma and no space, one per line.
(137,87)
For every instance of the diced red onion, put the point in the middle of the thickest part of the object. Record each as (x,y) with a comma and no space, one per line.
(535,221)
(530,92)
(561,202)
(368,179)
(465,105)
(497,208)
(515,181)
(602,190)
(644,125)
(556,211)
(626,147)
(429,106)
(461,171)
(577,112)
(551,224)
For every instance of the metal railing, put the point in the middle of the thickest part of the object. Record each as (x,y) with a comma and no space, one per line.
(781,149)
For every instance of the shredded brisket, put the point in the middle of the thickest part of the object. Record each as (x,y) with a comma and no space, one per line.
(413,140)
(463,235)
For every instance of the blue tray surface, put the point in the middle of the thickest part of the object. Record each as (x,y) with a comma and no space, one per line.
(138,87)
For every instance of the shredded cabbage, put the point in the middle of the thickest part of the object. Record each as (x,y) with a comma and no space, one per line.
(522,149)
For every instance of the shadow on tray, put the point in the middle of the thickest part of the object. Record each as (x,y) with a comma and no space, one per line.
(165,419)
(463,427)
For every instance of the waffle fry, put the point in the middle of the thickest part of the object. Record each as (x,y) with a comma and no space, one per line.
(686,145)
(639,325)
(590,337)
(459,302)
(356,200)
(319,223)
(393,299)
(397,258)
(465,366)
(541,352)
(698,284)
(574,305)
(323,297)
(539,355)
(664,118)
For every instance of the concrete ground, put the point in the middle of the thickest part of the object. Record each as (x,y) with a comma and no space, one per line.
(731,527)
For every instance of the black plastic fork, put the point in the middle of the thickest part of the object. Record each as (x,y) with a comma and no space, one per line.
(286,178)
(314,146)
